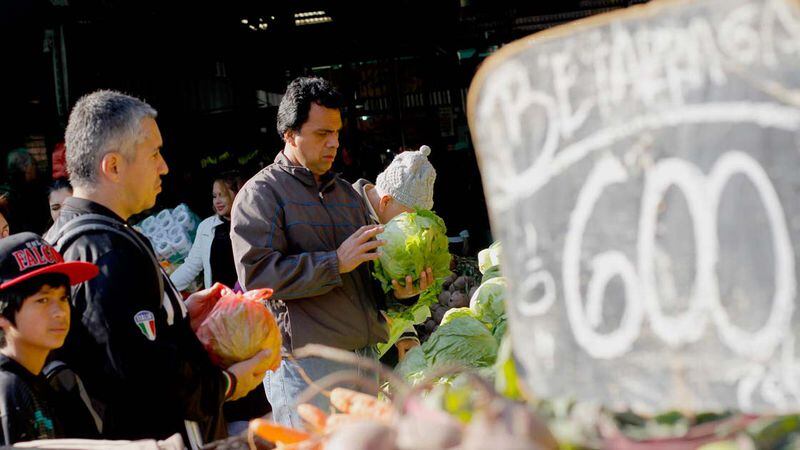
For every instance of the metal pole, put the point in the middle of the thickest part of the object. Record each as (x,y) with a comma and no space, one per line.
(64,71)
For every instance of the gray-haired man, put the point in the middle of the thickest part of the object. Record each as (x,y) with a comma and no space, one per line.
(132,342)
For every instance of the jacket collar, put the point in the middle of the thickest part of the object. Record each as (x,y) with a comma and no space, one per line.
(216,221)
(361,187)
(84,206)
(11,365)
(327,181)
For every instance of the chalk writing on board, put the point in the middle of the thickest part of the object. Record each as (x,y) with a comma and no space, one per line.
(670,121)
(702,194)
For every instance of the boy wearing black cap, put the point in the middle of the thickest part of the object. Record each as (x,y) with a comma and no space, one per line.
(34,318)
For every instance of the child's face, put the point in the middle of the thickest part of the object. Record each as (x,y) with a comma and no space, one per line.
(43,320)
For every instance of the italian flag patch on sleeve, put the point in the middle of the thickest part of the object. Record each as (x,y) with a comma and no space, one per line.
(146,321)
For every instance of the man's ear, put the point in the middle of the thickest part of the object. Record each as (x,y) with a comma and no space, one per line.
(111,165)
(290,138)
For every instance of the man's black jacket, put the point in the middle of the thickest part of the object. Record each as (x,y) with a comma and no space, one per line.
(142,365)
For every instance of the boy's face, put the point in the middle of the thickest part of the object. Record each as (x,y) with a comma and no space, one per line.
(42,321)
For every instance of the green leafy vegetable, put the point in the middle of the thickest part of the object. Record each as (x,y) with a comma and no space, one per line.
(463,339)
(414,241)
(488,302)
(455,313)
(413,366)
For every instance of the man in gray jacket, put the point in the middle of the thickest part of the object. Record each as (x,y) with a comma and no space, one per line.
(297,228)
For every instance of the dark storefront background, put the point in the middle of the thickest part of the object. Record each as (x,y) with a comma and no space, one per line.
(215,73)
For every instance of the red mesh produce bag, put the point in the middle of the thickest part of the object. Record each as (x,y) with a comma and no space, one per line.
(239,326)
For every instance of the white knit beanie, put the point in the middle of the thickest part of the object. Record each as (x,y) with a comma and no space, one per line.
(409,179)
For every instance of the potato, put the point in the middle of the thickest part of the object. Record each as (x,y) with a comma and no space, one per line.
(438,313)
(448,281)
(444,298)
(460,283)
(430,325)
(458,300)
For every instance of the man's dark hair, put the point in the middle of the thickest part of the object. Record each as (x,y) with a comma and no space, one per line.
(11,299)
(296,102)
(58,184)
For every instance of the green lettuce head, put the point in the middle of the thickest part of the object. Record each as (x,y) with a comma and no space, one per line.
(462,339)
(455,313)
(488,301)
(490,257)
(413,366)
(414,241)
(490,273)
(499,328)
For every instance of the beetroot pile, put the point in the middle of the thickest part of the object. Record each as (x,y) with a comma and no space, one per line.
(456,292)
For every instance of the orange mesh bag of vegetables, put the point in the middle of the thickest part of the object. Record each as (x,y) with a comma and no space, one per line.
(239,326)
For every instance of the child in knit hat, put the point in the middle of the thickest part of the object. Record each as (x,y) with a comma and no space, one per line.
(406,184)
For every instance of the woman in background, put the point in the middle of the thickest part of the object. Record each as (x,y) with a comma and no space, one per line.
(211,252)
